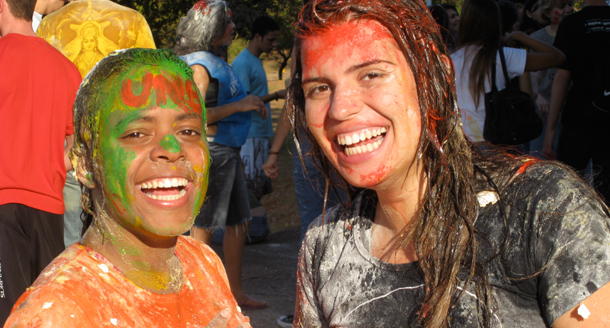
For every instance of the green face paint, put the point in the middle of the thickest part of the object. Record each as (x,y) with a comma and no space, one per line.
(170,144)
(152,131)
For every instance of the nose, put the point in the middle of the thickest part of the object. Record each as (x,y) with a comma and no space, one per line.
(345,103)
(168,149)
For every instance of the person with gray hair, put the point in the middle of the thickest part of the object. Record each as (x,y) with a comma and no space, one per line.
(205,29)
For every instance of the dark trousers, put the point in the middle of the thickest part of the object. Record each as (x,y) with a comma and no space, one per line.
(579,145)
(29,240)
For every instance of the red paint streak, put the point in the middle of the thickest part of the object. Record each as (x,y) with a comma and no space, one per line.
(316,46)
(163,87)
(192,97)
(118,207)
(375,176)
(201,5)
(174,87)
(133,100)
(525,166)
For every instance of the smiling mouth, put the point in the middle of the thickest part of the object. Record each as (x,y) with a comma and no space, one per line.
(166,189)
(361,142)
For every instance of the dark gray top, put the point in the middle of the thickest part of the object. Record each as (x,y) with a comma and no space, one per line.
(555,227)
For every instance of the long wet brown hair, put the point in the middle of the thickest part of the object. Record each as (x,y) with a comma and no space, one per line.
(443,230)
(480,25)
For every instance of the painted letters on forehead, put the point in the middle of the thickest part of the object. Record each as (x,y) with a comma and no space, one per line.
(146,89)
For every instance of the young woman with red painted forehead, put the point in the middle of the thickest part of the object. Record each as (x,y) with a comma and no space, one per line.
(435,234)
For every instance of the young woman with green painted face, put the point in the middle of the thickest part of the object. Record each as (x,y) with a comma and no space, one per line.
(143,164)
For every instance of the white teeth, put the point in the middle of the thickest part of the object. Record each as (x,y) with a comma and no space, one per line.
(164,183)
(358,137)
(167,197)
(349,151)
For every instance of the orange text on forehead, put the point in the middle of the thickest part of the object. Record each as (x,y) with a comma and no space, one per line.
(354,36)
(174,87)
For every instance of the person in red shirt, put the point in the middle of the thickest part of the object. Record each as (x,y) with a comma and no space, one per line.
(37,90)
(143,162)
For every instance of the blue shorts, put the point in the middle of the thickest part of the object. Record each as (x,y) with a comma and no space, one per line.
(226,201)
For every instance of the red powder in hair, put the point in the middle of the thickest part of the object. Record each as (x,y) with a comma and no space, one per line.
(355,37)
(202,5)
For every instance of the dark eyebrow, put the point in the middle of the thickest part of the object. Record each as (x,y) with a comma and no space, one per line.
(368,63)
(129,120)
(188,116)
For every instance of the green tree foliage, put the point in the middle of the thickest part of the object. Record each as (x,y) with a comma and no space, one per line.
(162,17)
(285,12)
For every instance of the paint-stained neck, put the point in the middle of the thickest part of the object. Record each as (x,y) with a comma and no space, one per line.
(150,264)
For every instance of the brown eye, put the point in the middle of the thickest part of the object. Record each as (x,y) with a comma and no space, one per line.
(133,135)
(190,132)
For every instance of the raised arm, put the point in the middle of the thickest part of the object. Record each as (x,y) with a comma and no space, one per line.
(215,114)
(280,94)
(543,55)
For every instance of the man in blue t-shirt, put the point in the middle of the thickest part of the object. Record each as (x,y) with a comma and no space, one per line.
(249,68)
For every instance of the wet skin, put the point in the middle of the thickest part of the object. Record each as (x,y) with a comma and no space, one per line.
(152,131)
(356,80)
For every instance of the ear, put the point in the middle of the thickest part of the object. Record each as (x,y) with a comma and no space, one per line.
(83,174)
(258,38)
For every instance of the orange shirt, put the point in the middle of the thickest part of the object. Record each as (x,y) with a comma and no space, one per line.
(81,288)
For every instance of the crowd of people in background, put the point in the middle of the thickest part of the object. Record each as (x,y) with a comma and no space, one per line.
(530,28)
(112,151)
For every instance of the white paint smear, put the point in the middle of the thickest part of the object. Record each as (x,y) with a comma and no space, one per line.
(103,267)
(487,197)
(583,311)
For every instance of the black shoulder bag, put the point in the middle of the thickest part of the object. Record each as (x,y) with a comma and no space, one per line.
(510,114)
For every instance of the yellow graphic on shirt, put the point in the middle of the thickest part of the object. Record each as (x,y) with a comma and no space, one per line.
(86,31)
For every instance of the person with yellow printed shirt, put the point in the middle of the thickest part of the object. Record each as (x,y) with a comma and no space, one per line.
(86,31)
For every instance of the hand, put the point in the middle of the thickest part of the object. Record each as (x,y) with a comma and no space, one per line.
(543,106)
(514,36)
(222,319)
(252,102)
(547,145)
(270,166)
